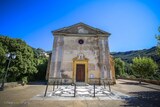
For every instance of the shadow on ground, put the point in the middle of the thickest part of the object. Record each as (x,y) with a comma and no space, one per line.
(142,85)
(133,83)
(37,83)
(144,99)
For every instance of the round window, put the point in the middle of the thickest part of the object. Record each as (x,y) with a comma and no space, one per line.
(81,41)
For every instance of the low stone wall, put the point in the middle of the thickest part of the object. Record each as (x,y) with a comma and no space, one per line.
(157,82)
(12,84)
(152,81)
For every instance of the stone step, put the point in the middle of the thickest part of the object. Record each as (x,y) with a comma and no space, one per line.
(81,84)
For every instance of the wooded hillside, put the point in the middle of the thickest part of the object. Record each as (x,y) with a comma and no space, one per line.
(129,55)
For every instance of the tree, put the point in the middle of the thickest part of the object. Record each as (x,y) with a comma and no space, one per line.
(119,67)
(128,68)
(42,67)
(2,60)
(144,67)
(30,63)
(158,38)
(24,64)
(41,64)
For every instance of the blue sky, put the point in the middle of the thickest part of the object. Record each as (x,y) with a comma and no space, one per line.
(132,23)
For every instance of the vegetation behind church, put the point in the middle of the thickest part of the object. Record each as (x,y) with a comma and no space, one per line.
(125,60)
(30,63)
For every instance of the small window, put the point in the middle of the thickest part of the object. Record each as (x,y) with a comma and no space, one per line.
(81,41)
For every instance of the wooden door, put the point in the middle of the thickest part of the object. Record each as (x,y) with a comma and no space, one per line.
(80,73)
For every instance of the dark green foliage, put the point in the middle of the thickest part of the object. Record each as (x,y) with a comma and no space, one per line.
(2,59)
(128,69)
(24,63)
(42,62)
(42,67)
(25,80)
(119,67)
(144,67)
(158,44)
(28,62)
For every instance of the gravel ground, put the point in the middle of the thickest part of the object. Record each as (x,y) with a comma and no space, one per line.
(145,95)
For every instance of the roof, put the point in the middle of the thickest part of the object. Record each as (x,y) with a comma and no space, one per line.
(80,28)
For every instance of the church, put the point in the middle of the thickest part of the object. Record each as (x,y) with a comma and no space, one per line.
(80,54)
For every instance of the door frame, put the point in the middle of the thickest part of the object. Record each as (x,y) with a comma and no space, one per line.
(77,61)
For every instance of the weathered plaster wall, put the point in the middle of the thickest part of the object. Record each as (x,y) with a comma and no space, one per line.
(104,58)
(57,55)
(72,48)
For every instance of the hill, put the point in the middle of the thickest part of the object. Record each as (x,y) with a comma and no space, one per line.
(129,55)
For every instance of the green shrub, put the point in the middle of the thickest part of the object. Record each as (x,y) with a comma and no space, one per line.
(24,80)
(144,67)
(132,77)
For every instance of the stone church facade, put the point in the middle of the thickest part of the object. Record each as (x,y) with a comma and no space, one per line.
(80,54)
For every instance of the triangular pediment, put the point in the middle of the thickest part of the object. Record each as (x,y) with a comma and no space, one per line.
(80,28)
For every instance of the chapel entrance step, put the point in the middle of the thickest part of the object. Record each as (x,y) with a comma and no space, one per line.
(81,84)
